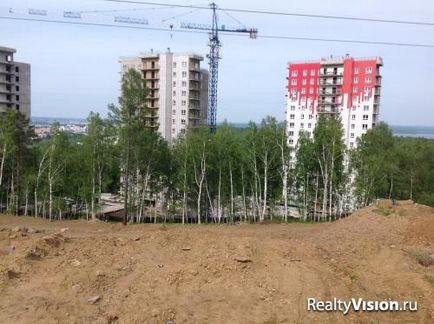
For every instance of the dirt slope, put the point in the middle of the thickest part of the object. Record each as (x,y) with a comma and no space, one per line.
(215,274)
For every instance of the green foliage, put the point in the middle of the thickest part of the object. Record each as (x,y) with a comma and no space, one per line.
(393,167)
(430,279)
(231,175)
(384,211)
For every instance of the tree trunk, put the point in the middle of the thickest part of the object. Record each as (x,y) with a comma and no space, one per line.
(316,198)
(264,208)
(2,163)
(244,193)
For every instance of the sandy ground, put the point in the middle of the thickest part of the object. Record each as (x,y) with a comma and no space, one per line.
(95,272)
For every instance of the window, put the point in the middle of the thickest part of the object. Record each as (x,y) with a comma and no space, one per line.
(173,130)
(292,116)
(312,82)
(294,92)
(303,91)
(367,89)
(183,93)
(291,133)
(291,141)
(184,74)
(184,83)
(302,116)
(302,125)
(365,117)
(355,89)
(304,72)
(356,80)
(351,144)
(353,117)
(312,72)
(353,126)
(368,80)
(352,135)
(291,125)
(365,126)
(173,112)
(183,112)
(356,70)
(182,121)
(294,81)
(365,108)
(294,73)
(309,125)
(174,65)
(17,69)
(174,93)
(184,64)
(354,108)
(174,84)
(310,116)
(366,98)
(173,121)
(368,69)
(17,88)
(304,81)
(183,103)
(292,108)
(174,74)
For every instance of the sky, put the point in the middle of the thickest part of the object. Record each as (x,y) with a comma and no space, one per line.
(75,69)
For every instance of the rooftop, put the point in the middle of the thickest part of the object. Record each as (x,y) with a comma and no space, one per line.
(338,60)
(7,49)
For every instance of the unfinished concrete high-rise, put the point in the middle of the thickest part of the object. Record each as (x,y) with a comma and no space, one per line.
(178,90)
(14,83)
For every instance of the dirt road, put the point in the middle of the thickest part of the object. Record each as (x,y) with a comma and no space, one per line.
(95,272)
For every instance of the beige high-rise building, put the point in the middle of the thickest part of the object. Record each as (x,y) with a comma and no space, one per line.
(178,87)
(14,83)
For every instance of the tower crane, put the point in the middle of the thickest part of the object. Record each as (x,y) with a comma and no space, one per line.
(214,57)
(88,18)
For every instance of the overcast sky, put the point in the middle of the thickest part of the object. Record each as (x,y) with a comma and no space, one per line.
(75,69)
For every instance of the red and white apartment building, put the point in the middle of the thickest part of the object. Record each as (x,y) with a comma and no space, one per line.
(340,86)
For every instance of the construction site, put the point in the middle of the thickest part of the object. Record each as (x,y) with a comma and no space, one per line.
(97,272)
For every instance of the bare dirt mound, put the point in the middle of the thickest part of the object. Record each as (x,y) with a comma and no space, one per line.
(79,272)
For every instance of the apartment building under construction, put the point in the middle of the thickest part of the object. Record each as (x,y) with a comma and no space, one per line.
(178,90)
(340,86)
(14,83)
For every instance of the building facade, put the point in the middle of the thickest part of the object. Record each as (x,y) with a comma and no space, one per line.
(178,86)
(346,87)
(14,83)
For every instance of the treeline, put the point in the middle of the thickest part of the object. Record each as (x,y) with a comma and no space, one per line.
(232,174)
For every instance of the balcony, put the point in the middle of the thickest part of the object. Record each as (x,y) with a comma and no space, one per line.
(330,93)
(151,76)
(330,73)
(330,83)
(150,67)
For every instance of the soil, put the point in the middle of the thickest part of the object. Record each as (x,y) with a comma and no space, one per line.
(97,272)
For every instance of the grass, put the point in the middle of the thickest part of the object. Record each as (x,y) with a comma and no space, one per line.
(424,259)
(353,276)
(430,279)
(384,211)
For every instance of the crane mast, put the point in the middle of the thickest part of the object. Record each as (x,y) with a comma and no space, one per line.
(214,57)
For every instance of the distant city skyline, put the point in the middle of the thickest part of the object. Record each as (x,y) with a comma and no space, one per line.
(75,69)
